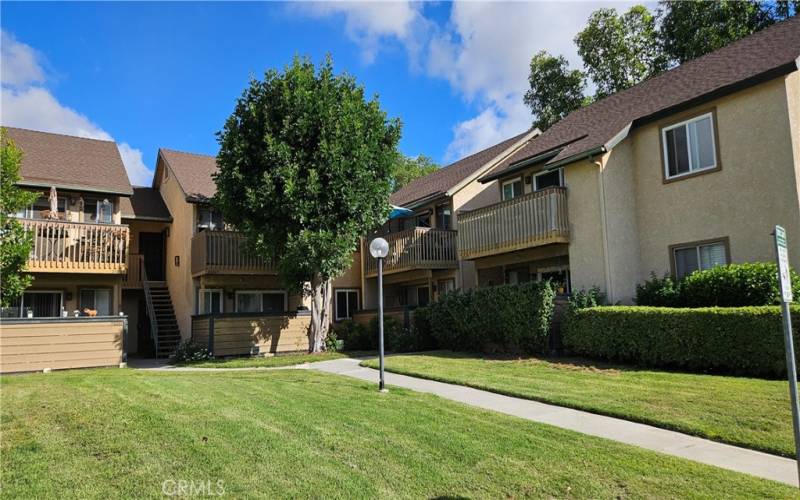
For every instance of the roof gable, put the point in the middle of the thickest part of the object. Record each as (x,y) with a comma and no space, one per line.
(759,57)
(69,162)
(193,173)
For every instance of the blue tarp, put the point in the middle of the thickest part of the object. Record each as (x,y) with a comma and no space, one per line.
(400,212)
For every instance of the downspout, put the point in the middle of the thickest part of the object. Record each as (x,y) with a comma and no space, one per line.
(604,226)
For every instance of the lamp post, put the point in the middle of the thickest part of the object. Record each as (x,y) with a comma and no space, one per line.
(379,249)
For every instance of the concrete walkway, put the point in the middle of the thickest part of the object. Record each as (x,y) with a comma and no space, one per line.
(644,436)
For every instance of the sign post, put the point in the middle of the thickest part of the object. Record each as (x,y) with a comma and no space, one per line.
(782,253)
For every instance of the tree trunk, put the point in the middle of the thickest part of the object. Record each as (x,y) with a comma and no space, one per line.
(320,317)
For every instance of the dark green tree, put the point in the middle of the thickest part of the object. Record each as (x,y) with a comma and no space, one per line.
(620,51)
(692,28)
(305,170)
(15,242)
(406,169)
(555,90)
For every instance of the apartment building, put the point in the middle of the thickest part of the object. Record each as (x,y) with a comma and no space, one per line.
(687,170)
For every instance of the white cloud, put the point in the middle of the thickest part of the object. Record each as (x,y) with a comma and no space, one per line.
(483,51)
(368,23)
(18,62)
(26,103)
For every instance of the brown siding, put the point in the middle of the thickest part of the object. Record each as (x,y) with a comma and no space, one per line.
(235,335)
(72,343)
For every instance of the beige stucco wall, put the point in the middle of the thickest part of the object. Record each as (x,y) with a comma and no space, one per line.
(756,188)
(586,252)
(179,243)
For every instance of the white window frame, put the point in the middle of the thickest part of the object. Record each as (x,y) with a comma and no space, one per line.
(202,298)
(685,123)
(697,248)
(511,181)
(101,203)
(545,172)
(95,289)
(336,302)
(22,301)
(261,298)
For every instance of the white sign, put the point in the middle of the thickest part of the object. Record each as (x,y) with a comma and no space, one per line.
(783,264)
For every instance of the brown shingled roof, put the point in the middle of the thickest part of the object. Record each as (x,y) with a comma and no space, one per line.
(193,172)
(145,204)
(68,162)
(444,179)
(764,55)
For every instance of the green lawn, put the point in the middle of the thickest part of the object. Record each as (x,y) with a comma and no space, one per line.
(271,361)
(289,433)
(749,412)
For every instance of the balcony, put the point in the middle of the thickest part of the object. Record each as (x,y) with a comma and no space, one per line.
(528,221)
(73,247)
(224,252)
(417,248)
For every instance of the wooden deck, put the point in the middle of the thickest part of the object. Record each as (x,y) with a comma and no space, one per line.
(72,247)
(532,220)
(224,252)
(417,248)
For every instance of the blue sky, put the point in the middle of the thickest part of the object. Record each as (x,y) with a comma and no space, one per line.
(152,75)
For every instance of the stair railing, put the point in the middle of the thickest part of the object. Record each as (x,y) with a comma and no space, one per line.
(151,312)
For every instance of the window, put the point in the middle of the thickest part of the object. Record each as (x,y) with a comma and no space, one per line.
(105,212)
(545,180)
(40,304)
(443,217)
(512,189)
(424,219)
(41,207)
(423,296)
(210,301)
(558,276)
(515,276)
(697,257)
(346,303)
(446,286)
(258,301)
(209,219)
(98,299)
(689,146)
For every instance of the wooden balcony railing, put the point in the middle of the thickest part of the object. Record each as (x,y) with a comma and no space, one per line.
(417,248)
(134,277)
(224,252)
(65,247)
(528,221)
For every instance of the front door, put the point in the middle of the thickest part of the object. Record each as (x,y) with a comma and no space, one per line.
(151,246)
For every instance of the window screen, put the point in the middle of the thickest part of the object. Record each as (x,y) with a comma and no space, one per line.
(699,258)
(346,304)
(689,146)
(547,180)
(512,189)
(273,302)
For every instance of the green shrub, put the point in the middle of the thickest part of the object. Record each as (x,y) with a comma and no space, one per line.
(425,340)
(659,292)
(332,341)
(734,285)
(191,352)
(745,340)
(582,299)
(509,318)
(355,336)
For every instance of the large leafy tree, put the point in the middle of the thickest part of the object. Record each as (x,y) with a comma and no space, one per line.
(619,51)
(15,242)
(555,90)
(692,28)
(407,169)
(305,169)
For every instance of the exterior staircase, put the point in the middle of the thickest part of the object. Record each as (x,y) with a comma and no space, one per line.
(163,323)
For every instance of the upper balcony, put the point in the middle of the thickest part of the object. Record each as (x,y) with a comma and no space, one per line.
(224,252)
(528,221)
(75,247)
(417,248)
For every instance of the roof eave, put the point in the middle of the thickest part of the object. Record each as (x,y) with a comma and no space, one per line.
(74,187)
(494,161)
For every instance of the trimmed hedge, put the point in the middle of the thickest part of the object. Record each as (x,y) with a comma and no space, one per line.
(732,285)
(396,338)
(742,340)
(508,318)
